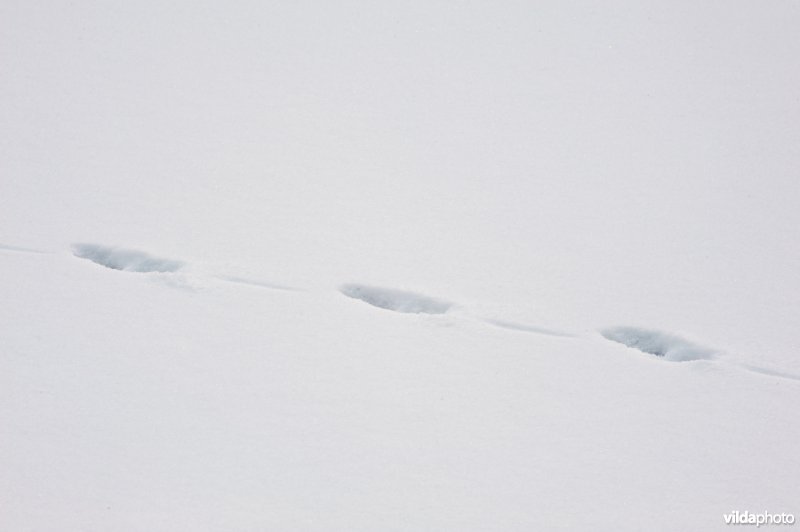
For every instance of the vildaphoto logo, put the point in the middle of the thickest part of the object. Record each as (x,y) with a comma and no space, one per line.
(764,518)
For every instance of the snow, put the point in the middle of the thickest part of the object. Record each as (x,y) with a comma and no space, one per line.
(124,259)
(657,343)
(418,266)
(395,300)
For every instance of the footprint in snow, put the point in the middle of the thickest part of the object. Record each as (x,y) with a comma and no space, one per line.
(658,343)
(131,260)
(128,260)
(395,300)
(414,303)
(674,348)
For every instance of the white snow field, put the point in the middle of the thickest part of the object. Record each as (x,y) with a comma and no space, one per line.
(366,266)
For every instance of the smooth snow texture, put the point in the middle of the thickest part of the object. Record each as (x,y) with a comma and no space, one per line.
(657,343)
(551,166)
(395,300)
(128,260)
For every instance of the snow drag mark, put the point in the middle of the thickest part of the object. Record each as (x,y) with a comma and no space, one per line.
(527,328)
(252,282)
(771,372)
(395,300)
(128,260)
(657,343)
(18,249)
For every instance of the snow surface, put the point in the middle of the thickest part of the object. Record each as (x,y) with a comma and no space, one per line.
(657,343)
(128,260)
(398,266)
(395,300)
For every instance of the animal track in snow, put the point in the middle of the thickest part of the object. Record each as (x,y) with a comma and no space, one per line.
(653,342)
(395,300)
(658,343)
(128,260)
